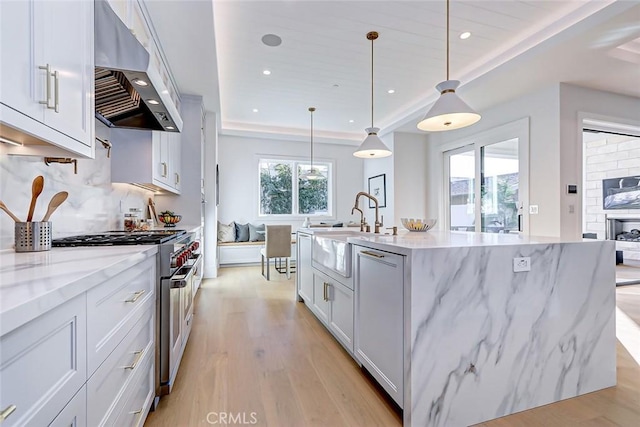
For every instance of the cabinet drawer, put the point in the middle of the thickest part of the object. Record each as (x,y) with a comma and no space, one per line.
(75,413)
(115,306)
(43,364)
(138,398)
(114,375)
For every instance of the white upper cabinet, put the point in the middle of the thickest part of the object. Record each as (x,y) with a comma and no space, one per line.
(148,158)
(47,78)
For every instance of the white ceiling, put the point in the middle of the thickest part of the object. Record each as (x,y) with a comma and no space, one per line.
(325,58)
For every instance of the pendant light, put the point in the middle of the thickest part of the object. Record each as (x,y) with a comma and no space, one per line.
(372,147)
(449,111)
(313,173)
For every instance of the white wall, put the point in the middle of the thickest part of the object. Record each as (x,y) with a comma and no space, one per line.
(410,158)
(238,160)
(577,103)
(210,208)
(374,167)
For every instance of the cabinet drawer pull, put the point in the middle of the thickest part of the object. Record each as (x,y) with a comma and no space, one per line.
(138,415)
(6,412)
(47,68)
(135,297)
(326,291)
(56,91)
(177,178)
(136,360)
(373,254)
(164,169)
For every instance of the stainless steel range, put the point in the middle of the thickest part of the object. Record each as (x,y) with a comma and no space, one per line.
(177,270)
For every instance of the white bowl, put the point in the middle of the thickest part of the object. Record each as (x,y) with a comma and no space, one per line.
(418,224)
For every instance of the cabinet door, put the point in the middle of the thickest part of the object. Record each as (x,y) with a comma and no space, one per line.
(379,317)
(69,51)
(175,160)
(21,81)
(304,272)
(341,314)
(160,157)
(321,298)
(75,413)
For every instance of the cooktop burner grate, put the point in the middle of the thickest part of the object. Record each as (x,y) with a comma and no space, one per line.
(118,238)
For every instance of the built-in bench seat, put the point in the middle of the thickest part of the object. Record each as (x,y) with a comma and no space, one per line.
(236,253)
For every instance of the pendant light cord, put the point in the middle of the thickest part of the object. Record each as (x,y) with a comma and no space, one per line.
(372,39)
(311,110)
(447,39)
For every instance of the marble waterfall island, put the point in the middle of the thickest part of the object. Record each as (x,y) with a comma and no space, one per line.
(482,341)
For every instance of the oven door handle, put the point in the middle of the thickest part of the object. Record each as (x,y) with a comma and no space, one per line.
(181,280)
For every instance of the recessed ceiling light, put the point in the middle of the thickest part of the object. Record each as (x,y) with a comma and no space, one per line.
(465,35)
(266,72)
(391,91)
(351,121)
(255,110)
(170,127)
(271,40)
(152,101)
(140,82)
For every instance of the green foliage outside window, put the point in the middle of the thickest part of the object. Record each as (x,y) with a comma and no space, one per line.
(277,191)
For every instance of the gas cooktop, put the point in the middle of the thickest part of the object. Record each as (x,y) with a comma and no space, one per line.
(117,238)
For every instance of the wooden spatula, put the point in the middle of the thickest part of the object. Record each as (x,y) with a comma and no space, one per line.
(56,201)
(36,189)
(6,209)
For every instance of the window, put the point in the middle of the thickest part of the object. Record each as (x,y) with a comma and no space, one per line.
(283,191)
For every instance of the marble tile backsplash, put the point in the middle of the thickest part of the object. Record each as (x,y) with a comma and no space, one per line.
(94,204)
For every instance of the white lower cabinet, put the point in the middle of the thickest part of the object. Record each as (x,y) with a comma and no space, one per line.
(304,272)
(112,378)
(89,361)
(379,290)
(75,413)
(333,305)
(43,364)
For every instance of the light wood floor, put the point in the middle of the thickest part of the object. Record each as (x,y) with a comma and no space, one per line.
(253,349)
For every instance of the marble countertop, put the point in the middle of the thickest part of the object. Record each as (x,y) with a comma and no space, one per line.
(406,242)
(32,283)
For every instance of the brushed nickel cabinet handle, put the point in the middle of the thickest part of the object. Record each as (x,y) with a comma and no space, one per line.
(373,254)
(135,297)
(47,68)
(164,169)
(177,178)
(56,91)
(6,412)
(326,291)
(136,360)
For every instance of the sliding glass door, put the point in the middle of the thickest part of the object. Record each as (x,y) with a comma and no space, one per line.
(492,170)
(500,184)
(462,185)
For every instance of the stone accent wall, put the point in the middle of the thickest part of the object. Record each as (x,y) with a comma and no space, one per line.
(612,156)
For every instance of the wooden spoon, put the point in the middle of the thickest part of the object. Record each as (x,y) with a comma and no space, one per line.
(6,209)
(36,189)
(56,201)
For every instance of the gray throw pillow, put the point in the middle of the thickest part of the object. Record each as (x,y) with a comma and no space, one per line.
(256,233)
(226,233)
(242,232)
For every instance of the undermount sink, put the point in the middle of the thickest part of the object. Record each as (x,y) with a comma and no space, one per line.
(332,251)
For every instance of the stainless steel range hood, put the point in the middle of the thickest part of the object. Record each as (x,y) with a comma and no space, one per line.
(129,92)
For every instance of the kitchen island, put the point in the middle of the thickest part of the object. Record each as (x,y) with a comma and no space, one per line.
(456,336)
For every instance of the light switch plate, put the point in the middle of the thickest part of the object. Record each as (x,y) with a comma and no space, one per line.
(533,209)
(521,264)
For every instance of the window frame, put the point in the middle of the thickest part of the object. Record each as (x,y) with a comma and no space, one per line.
(295,161)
